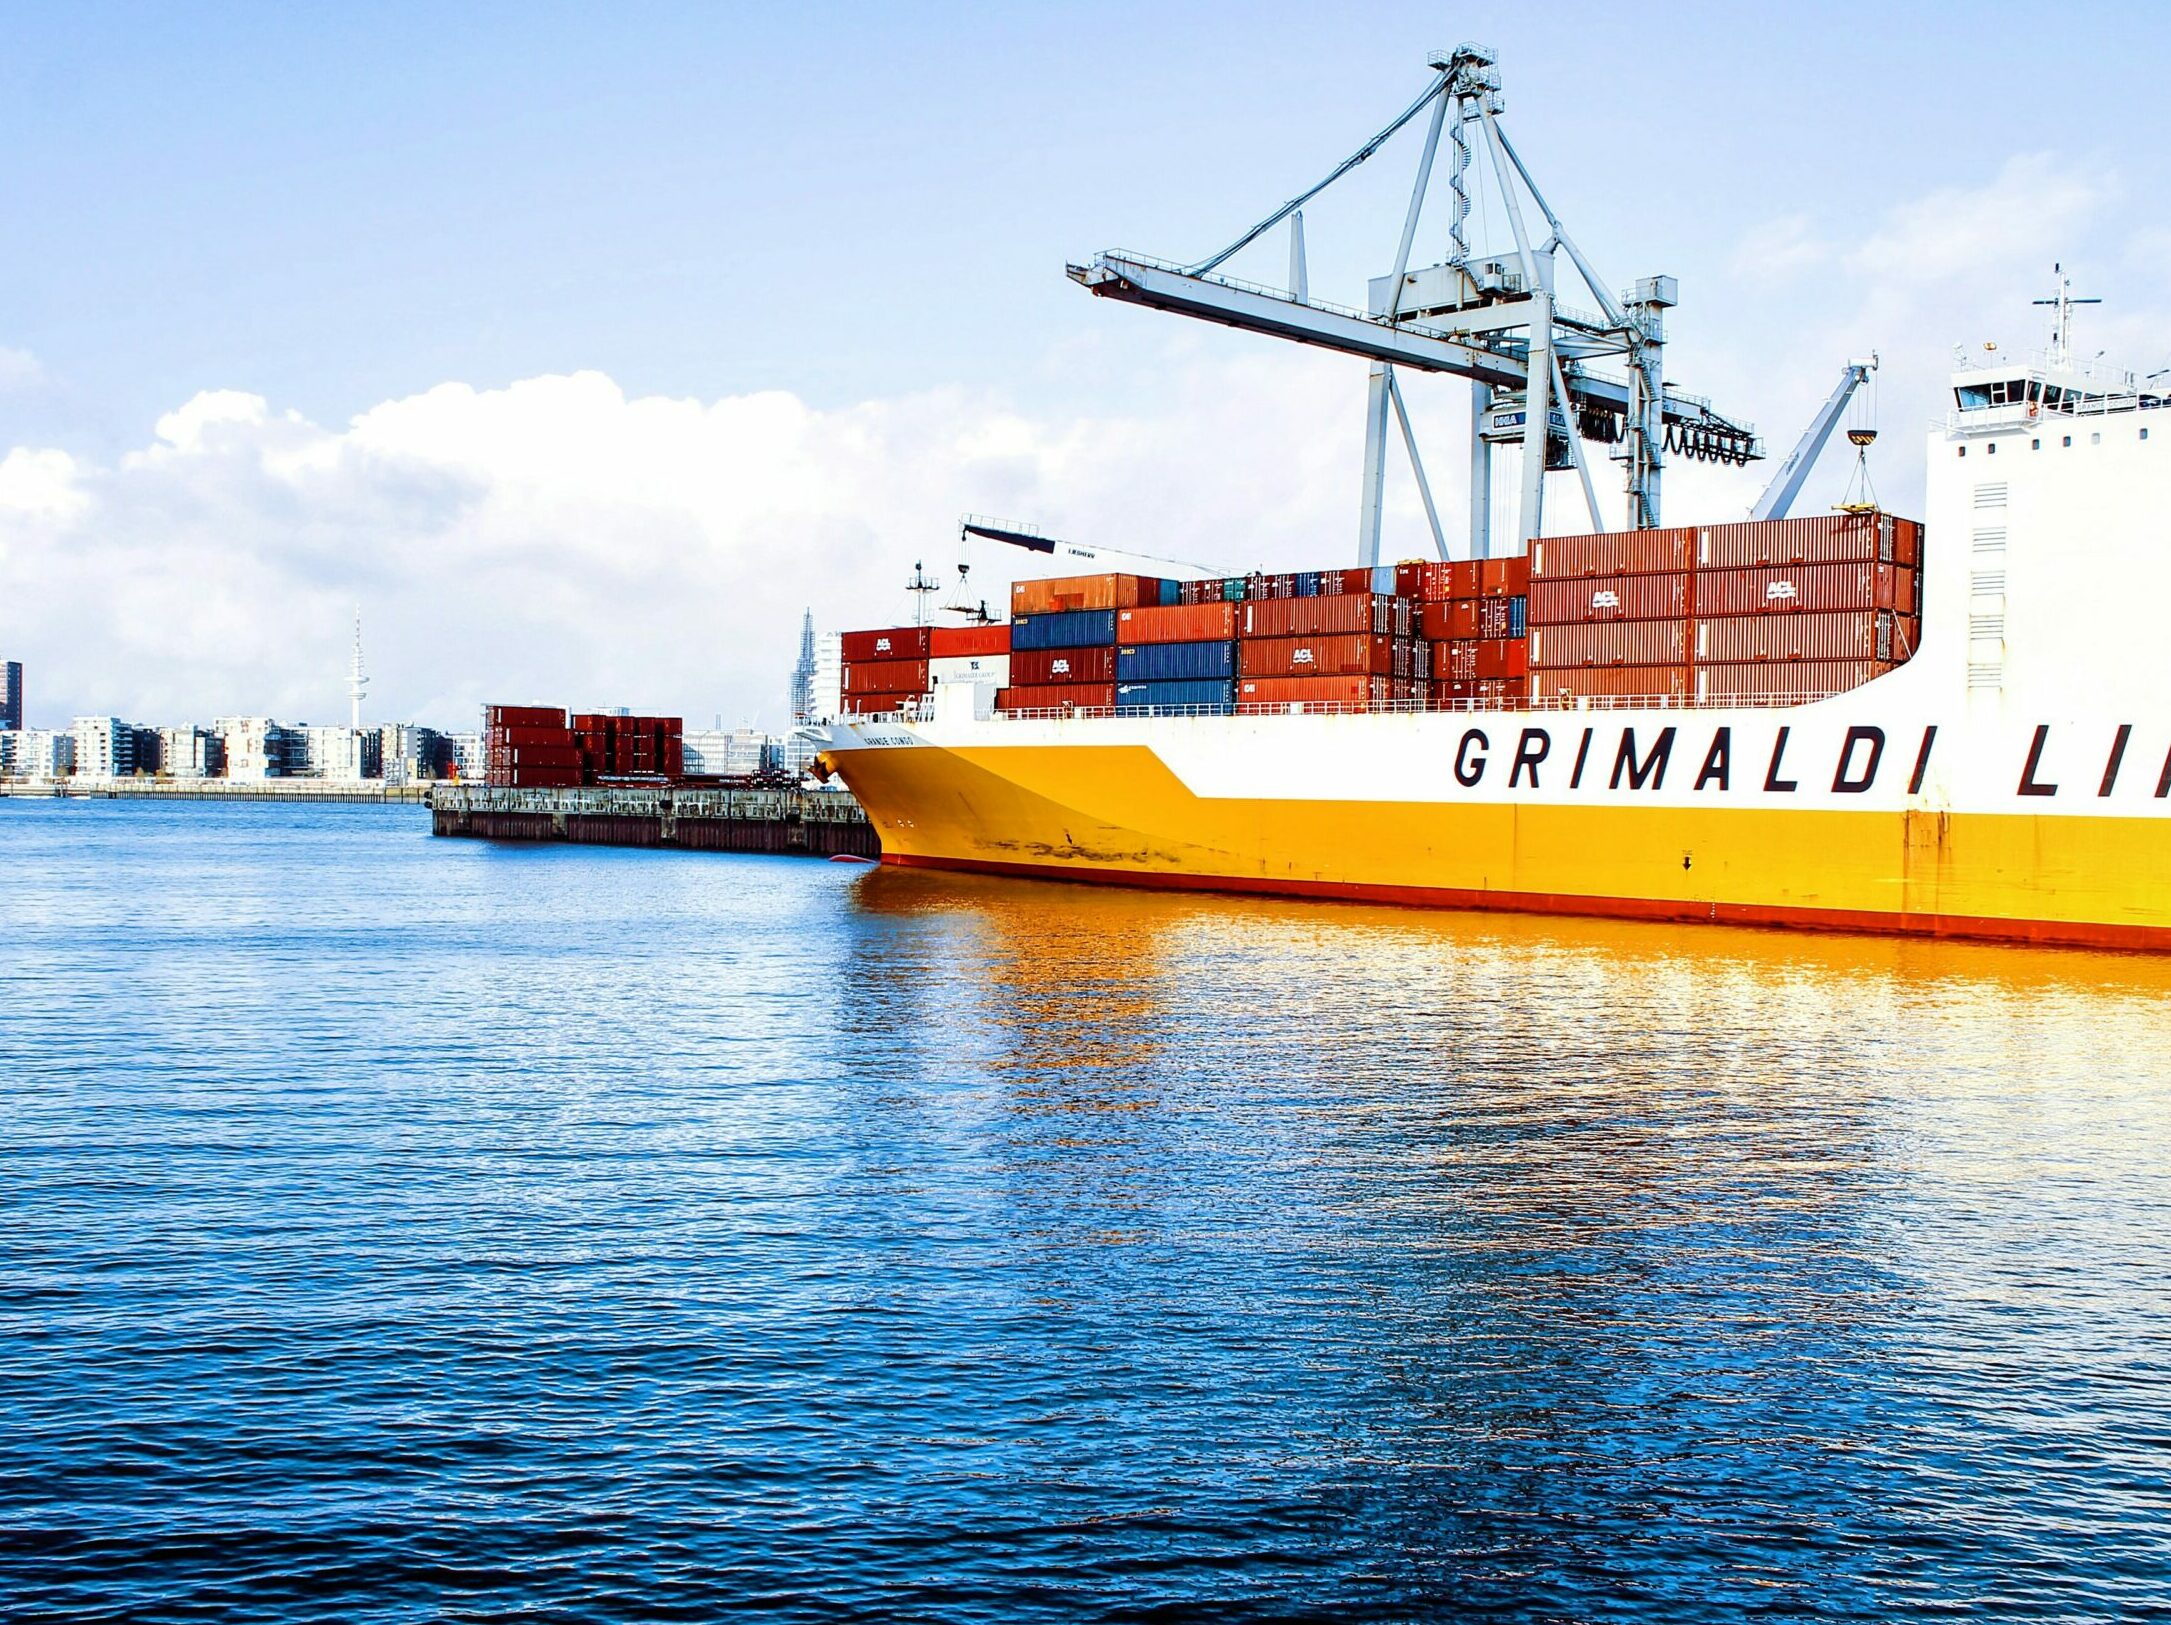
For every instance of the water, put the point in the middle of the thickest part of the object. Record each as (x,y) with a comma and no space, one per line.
(395,1229)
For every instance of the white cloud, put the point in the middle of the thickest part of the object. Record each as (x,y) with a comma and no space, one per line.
(558,541)
(39,485)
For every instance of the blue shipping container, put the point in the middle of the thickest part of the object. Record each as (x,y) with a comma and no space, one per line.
(1383,578)
(1063,629)
(1311,583)
(1171,593)
(1149,696)
(1232,589)
(1175,662)
(1518,617)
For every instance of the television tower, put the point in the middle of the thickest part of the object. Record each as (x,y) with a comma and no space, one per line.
(357,683)
(802,696)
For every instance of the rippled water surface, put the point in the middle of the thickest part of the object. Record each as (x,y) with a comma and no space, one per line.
(401,1229)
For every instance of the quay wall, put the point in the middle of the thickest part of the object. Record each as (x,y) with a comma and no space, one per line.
(802,823)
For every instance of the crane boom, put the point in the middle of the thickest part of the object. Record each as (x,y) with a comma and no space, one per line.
(1786,485)
(1493,318)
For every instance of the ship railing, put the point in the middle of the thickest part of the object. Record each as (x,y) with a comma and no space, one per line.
(1451,707)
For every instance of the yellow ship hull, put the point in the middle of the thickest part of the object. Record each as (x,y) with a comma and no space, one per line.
(1117,813)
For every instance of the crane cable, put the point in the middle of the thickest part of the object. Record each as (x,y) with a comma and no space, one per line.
(1436,88)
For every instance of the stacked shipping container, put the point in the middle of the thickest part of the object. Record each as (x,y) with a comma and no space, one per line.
(529,746)
(892,667)
(1474,615)
(533,746)
(627,747)
(1790,608)
(1781,609)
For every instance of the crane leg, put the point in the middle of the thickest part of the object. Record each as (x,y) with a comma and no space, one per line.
(1375,466)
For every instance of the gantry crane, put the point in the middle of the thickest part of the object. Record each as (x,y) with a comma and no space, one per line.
(1492,318)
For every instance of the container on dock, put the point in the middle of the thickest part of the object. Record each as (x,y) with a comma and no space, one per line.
(523,716)
(1035,667)
(1175,662)
(1063,629)
(1209,693)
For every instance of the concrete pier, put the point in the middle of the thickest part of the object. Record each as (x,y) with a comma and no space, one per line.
(805,823)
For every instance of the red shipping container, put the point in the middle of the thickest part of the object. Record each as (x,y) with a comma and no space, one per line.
(1057,697)
(1032,668)
(1504,578)
(945,642)
(1500,691)
(528,736)
(1610,598)
(1460,578)
(1495,618)
(1503,657)
(1798,588)
(882,677)
(1353,612)
(1106,591)
(523,716)
(1832,538)
(1456,660)
(1612,553)
(1177,623)
(1610,643)
(1323,657)
(1785,680)
(1612,683)
(1456,618)
(1868,634)
(887,643)
(1344,693)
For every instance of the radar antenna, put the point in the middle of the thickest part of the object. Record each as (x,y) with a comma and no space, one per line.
(2061,338)
(920,586)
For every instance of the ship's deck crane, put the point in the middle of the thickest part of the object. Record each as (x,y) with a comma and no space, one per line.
(1786,485)
(1030,538)
(1491,318)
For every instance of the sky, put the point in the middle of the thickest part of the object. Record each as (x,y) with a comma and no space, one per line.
(580,349)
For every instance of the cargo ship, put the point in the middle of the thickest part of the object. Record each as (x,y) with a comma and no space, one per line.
(1847,720)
